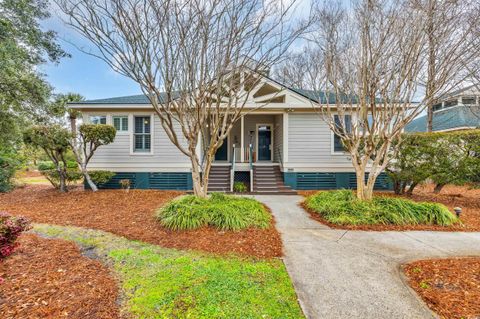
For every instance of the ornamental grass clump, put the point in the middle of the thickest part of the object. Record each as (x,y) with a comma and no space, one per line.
(10,228)
(220,211)
(342,207)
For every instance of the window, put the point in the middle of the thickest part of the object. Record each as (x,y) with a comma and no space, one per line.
(337,141)
(98,119)
(120,123)
(450,103)
(437,107)
(468,100)
(142,135)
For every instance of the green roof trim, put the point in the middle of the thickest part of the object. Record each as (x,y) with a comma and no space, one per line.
(448,119)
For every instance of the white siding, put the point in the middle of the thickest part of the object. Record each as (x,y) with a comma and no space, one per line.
(119,157)
(310,146)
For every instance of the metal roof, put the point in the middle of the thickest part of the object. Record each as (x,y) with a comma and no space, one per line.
(461,116)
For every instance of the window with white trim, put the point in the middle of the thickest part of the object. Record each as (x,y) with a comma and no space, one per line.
(468,100)
(142,134)
(120,123)
(450,103)
(337,140)
(98,119)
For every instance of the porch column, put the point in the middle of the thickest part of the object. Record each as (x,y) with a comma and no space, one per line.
(242,139)
(285,138)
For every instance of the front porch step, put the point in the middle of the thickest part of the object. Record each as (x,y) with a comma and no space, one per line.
(269,180)
(219,178)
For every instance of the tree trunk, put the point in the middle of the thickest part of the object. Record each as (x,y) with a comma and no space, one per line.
(398,187)
(62,176)
(411,188)
(438,188)
(87,177)
(365,190)
(432,65)
(404,187)
(360,183)
(199,188)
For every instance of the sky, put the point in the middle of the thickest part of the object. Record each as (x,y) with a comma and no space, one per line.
(88,75)
(82,73)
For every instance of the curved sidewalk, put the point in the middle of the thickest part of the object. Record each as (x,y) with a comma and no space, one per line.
(356,274)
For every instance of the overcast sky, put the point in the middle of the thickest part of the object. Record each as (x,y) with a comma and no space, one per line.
(88,75)
(82,73)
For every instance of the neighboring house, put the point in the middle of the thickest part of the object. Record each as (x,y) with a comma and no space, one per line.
(460,110)
(282,146)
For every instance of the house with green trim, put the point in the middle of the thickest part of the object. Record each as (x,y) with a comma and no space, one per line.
(459,110)
(277,148)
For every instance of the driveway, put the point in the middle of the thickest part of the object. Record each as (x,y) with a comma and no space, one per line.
(356,274)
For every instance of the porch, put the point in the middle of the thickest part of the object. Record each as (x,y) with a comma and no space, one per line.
(255,140)
(253,154)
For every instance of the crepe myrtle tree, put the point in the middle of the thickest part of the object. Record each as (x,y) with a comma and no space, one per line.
(54,140)
(197,61)
(451,46)
(371,59)
(371,62)
(86,141)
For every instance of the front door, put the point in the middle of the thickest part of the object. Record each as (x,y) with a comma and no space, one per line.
(264,143)
(222,152)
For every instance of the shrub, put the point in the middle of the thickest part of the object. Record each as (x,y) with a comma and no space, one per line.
(124,183)
(443,157)
(48,165)
(54,140)
(240,187)
(8,165)
(10,228)
(90,138)
(342,207)
(221,211)
(47,169)
(101,177)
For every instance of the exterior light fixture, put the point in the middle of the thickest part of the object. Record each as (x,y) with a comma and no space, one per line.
(458,211)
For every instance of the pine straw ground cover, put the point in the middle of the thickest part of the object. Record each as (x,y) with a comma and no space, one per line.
(49,278)
(450,287)
(132,215)
(451,196)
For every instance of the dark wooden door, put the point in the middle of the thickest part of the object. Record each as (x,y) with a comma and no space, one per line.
(264,143)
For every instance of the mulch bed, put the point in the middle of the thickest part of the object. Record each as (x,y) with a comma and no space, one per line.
(451,196)
(450,287)
(132,215)
(49,278)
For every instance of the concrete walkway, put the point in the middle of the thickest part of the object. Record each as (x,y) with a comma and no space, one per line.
(356,274)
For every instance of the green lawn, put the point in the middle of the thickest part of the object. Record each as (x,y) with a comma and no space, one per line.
(34,180)
(168,283)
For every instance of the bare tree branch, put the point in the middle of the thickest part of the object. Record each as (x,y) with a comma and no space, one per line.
(196,60)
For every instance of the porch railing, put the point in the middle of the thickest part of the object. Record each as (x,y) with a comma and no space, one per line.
(250,160)
(232,171)
(238,154)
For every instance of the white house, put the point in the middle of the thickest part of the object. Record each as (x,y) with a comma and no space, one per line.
(281,146)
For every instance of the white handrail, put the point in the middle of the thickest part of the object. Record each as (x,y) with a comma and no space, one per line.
(232,171)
